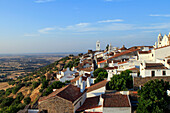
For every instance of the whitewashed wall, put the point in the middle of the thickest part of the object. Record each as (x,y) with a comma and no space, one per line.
(77,102)
(117,110)
(161,53)
(147,73)
(96,92)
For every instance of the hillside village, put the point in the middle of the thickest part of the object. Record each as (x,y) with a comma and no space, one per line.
(85,83)
(86,92)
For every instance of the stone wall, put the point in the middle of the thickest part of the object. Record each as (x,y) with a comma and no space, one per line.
(141,81)
(56,105)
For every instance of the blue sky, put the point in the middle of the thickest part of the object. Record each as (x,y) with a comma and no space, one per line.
(48,26)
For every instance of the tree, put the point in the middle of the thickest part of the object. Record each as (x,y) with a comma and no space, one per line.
(97,71)
(54,85)
(35,84)
(6,102)
(27,100)
(121,82)
(99,78)
(44,84)
(153,97)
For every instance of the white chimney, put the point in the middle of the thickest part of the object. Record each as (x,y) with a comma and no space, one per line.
(88,81)
(54,90)
(80,80)
(101,100)
(144,64)
(82,88)
(77,83)
(124,92)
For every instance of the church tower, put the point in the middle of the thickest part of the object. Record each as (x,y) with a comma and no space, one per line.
(98,45)
(159,39)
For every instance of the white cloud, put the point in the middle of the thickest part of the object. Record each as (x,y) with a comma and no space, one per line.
(108,21)
(75,27)
(83,24)
(158,15)
(43,1)
(46,30)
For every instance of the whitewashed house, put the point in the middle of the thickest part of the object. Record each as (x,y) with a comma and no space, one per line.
(66,75)
(153,69)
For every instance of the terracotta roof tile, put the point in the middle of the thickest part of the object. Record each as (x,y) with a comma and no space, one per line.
(69,92)
(134,69)
(111,68)
(104,61)
(115,100)
(90,103)
(161,47)
(124,53)
(123,48)
(97,86)
(155,66)
(88,69)
(144,52)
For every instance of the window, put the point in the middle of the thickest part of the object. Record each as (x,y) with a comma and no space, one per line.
(163,72)
(80,103)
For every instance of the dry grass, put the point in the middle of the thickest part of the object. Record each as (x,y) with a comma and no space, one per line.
(35,93)
(5,85)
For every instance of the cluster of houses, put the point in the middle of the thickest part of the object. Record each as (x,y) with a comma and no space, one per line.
(82,95)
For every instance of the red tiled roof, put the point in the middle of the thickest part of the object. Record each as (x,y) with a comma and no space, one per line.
(90,103)
(110,54)
(104,61)
(123,53)
(111,68)
(88,69)
(133,68)
(69,92)
(139,47)
(123,48)
(155,66)
(161,47)
(144,52)
(97,86)
(115,100)
(114,61)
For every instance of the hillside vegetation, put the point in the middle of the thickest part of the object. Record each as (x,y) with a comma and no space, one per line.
(27,89)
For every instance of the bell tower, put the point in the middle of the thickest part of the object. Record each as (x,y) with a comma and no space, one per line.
(98,45)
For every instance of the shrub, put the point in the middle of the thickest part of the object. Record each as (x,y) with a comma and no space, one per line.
(121,82)
(97,71)
(27,100)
